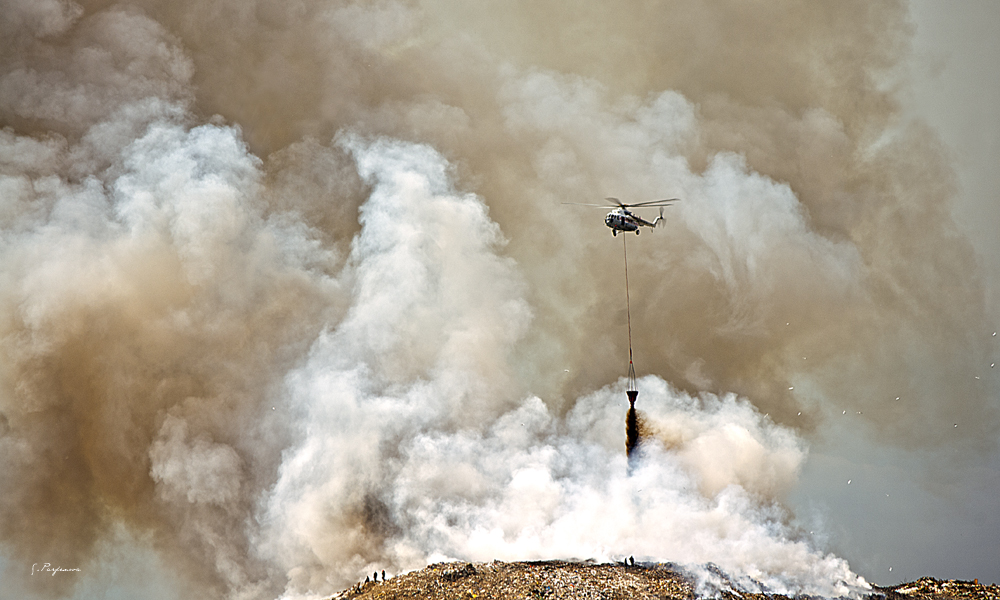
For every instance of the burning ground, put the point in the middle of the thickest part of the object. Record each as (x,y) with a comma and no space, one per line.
(578,580)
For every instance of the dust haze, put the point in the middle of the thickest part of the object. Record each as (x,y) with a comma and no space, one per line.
(288,294)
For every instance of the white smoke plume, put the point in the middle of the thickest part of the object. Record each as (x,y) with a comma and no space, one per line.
(412,426)
(287,293)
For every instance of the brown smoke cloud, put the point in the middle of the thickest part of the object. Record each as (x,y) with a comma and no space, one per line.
(177,226)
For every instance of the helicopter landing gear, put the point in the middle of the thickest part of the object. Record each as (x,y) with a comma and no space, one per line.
(614,232)
(637,232)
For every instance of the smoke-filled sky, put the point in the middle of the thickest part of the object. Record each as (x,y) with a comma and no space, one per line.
(288,291)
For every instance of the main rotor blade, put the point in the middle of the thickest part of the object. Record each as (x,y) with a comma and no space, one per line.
(618,204)
(666,202)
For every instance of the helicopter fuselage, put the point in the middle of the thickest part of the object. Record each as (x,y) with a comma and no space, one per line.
(621,219)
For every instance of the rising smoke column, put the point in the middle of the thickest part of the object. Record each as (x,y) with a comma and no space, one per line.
(150,300)
(449,460)
(203,343)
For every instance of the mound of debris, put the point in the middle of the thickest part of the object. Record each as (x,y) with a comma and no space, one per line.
(548,580)
(931,589)
(555,580)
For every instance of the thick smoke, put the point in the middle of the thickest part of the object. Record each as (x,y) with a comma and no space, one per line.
(287,292)
(448,462)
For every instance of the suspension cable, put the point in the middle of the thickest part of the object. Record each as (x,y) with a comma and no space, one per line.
(628,313)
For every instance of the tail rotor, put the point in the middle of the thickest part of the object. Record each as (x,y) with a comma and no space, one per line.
(656,222)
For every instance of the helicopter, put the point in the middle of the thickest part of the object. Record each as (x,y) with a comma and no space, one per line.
(622,219)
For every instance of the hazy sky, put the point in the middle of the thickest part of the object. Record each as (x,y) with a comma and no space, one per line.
(288,291)
(896,516)
(956,90)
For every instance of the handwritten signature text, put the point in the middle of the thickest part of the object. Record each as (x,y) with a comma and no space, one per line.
(48,568)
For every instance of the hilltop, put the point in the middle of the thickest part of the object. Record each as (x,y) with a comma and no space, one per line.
(556,580)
